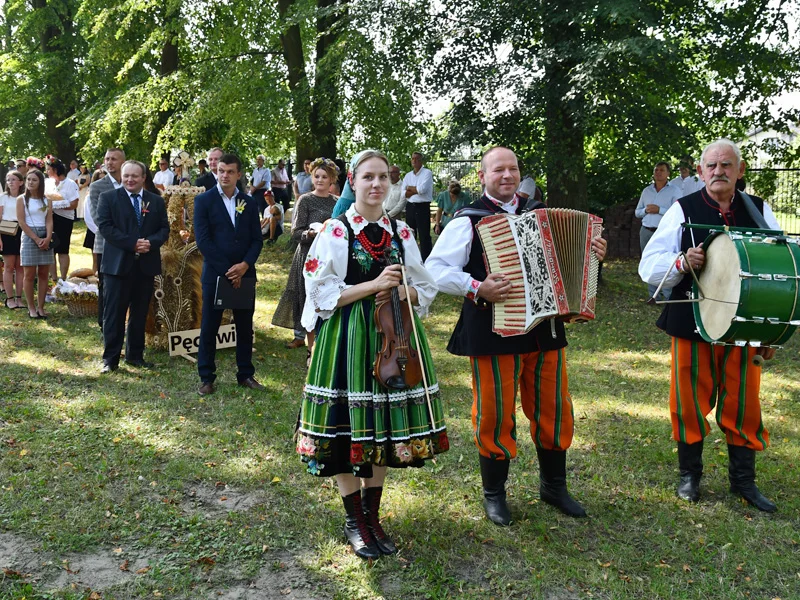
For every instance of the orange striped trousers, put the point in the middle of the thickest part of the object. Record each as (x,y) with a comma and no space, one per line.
(704,377)
(541,378)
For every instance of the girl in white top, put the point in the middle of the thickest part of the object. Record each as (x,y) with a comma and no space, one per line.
(10,244)
(35,216)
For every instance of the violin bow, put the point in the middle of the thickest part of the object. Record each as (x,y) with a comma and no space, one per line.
(419,352)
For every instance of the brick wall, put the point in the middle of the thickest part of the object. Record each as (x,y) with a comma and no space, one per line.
(622,230)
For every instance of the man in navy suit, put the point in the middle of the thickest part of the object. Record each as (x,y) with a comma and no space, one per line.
(228,232)
(208,179)
(134,224)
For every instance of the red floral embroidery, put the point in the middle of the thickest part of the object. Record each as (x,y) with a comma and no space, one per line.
(358,219)
(472,293)
(356,454)
(312,264)
(338,232)
(385,221)
(405,233)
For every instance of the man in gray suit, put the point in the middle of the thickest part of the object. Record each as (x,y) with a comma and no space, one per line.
(113,163)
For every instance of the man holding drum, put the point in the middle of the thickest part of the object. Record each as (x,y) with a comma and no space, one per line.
(534,363)
(704,376)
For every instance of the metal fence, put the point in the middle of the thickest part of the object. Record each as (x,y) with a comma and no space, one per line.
(780,188)
(465,171)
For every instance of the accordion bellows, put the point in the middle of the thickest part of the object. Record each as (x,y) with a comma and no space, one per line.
(547,255)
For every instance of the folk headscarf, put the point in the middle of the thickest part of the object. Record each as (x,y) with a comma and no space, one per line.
(347,198)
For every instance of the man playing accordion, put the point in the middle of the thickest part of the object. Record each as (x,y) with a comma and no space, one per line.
(534,363)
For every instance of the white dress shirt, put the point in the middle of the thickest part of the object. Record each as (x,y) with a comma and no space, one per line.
(230,203)
(262,175)
(662,250)
(395,201)
(165,178)
(528,187)
(451,254)
(87,215)
(74,174)
(69,192)
(133,204)
(423,181)
(663,198)
(687,186)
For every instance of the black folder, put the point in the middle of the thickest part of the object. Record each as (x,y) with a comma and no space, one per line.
(228,297)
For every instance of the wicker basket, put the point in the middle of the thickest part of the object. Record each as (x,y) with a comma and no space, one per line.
(80,305)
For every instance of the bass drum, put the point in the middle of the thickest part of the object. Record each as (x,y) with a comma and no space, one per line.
(751,290)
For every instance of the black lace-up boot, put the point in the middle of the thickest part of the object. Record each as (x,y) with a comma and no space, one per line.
(356,530)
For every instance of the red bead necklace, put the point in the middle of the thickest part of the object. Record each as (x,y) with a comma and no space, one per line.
(375,250)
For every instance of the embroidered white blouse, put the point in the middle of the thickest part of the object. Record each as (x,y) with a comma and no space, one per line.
(326,267)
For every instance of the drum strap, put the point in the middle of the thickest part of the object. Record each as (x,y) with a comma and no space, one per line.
(759,219)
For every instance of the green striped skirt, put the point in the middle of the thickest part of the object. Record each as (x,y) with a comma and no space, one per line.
(348,420)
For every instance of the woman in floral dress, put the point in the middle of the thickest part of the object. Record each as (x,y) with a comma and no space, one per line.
(351,426)
(314,207)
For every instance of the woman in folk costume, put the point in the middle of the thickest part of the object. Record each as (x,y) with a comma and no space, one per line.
(350,425)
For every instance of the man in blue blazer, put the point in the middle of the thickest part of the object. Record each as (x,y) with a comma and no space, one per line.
(134,224)
(228,232)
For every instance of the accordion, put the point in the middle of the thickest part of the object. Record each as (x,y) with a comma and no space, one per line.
(547,255)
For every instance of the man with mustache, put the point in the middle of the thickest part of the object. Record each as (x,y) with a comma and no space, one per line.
(704,376)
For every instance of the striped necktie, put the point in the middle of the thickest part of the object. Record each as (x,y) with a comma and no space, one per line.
(136,208)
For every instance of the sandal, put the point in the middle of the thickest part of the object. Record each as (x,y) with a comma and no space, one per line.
(42,314)
(18,302)
(10,307)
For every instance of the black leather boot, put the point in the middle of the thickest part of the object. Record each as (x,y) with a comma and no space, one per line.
(371,502)
(553,482)
(356,530)
(494,474)
(742,475)
(690,461)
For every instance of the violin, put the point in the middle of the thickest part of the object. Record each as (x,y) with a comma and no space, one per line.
(397,364)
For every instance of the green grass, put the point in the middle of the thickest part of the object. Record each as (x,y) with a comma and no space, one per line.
(90,465)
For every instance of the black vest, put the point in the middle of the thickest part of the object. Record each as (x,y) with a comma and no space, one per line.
(698,208)
(473,335)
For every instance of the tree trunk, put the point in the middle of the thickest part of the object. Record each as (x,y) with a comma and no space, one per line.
(565,153)
(169,64)
(566,157)
(325,111)
(315,112)
(292,45)
(58,62)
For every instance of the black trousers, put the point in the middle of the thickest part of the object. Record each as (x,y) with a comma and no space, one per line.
(100,288)
(209,326)
(418,217)
(258,196)
(282,197)
(129,294)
